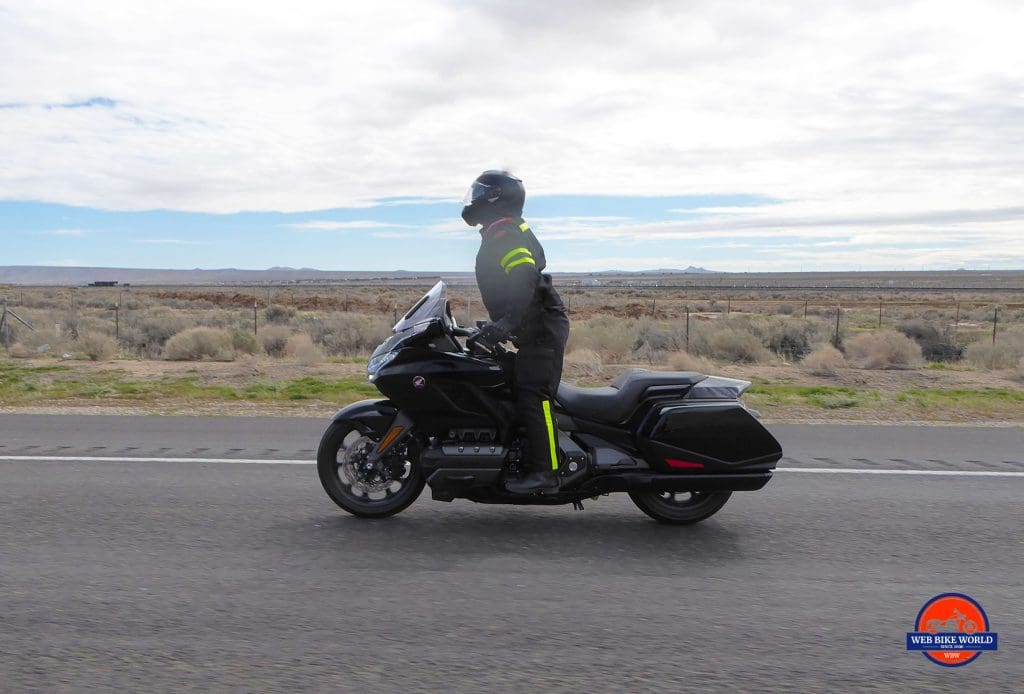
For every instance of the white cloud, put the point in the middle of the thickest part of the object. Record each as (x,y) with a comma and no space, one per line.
(327,225)
(172,242)
(598,264)
(65,232)
(866,118)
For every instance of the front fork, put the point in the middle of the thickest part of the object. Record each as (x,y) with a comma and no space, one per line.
(400,429)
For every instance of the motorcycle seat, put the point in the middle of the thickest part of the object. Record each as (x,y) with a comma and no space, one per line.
(615,402)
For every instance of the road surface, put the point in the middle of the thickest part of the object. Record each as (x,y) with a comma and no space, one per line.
(176,575)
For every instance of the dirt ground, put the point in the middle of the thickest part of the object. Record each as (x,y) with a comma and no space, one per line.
(883,407)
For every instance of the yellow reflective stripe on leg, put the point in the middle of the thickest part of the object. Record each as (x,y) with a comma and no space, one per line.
(508,268)
(524,227)
(549,420)
(512,254)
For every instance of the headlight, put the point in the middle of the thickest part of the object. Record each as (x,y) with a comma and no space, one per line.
(379,362)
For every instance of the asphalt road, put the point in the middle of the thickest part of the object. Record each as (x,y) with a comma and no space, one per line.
(181,576)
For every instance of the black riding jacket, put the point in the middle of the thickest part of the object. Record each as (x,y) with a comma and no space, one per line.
(509,274)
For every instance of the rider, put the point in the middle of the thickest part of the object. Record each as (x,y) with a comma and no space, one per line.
(522,302)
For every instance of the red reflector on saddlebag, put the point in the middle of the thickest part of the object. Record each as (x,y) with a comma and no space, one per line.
(683,464)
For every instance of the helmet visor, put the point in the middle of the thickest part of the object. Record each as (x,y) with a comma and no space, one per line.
(479,191)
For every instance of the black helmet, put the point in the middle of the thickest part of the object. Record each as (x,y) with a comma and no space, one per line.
(493,195)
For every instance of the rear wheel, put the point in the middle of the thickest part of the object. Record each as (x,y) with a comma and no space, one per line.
(679,508)
(365,489)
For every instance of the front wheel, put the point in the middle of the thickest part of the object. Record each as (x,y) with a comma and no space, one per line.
(368,490)
(679,508)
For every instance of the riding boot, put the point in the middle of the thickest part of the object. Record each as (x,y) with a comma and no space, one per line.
(543,482)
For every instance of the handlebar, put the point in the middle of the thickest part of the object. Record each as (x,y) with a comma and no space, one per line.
(476,340)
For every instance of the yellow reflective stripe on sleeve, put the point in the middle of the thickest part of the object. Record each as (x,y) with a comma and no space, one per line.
(524,227)
(512,254)
(508,268)
(549,420)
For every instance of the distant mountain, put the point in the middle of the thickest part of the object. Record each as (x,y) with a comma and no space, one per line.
(35,275)
(72,276)
(692,270)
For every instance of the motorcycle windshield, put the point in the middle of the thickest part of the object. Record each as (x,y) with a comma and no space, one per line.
(432,305)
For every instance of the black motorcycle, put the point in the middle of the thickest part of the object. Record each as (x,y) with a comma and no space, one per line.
(678,443)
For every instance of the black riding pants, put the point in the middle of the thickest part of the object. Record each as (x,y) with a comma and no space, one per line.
(538,373)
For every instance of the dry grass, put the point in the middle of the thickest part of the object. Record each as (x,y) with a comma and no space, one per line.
(1006,353)
(300,348)
(826,360)
(684,361)
(196,344)
(584,363)
(612,338)
(883,349)
(274,339)
(621,324)
(97,346)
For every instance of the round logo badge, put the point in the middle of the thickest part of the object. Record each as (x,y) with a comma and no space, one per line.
(418,382)
(952,630)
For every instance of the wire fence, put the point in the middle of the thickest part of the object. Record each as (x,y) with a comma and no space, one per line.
(254,307)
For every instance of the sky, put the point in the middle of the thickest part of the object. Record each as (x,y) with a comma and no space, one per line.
(736,136)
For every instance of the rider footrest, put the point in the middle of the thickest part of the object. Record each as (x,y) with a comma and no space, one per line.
(578,505)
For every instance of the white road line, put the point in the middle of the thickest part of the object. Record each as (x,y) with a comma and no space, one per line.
(286,461)
(127,459)
(934,473)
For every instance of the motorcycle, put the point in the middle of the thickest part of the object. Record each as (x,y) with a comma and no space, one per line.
(678,443)
(957,624)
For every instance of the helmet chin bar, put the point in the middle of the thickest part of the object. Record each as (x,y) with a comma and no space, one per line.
(482,213)
(471,215)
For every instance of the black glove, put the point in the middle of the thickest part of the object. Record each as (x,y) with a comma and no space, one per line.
(493,333)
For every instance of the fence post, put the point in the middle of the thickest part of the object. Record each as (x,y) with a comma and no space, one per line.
(835,340)
(879,314)
(995,322)
(255,319)
(728,305)
(117,322)
(956,323)
(4,329)
(687,327)
(805,309)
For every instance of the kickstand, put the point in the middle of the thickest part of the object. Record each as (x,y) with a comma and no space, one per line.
(578,505)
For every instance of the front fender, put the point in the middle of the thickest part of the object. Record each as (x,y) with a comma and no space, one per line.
(376,414)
